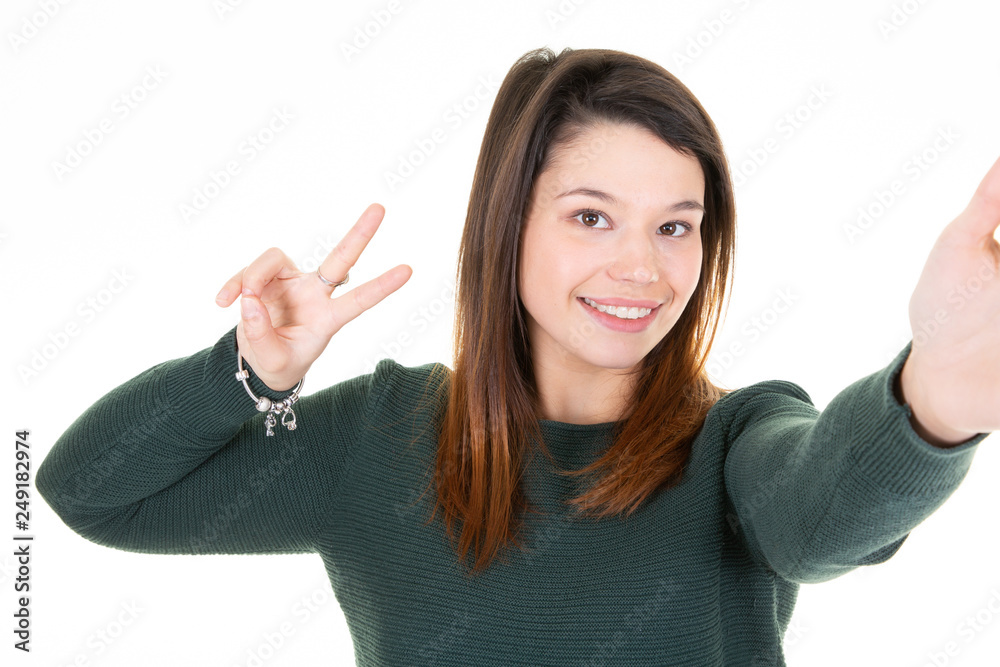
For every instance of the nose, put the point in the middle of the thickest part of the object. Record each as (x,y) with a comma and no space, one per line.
(635,260)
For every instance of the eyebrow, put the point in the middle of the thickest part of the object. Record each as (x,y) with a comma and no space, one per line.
(686,205)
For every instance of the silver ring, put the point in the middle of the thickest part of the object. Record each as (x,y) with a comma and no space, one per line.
(347,276)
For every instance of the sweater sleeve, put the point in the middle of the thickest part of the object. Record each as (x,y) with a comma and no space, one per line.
(817,494)
(177,460)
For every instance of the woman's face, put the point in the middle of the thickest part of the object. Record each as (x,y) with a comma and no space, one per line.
(613,223)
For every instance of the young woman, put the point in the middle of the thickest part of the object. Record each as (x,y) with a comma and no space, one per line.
(576,490)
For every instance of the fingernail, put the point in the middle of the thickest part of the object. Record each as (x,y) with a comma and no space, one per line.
(247,291)
(222,295)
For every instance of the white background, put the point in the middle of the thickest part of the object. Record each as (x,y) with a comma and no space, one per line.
(62,239)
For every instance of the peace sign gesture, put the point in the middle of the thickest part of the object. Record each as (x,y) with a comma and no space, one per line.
(289,317)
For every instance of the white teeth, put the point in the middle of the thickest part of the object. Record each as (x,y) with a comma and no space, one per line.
(623,312)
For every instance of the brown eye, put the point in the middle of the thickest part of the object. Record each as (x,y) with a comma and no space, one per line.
(674,226)
(591,219)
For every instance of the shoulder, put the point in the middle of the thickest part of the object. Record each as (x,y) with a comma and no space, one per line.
(740,407)
(390,373)
(399,390)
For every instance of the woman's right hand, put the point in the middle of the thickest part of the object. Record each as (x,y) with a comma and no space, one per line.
(288,317)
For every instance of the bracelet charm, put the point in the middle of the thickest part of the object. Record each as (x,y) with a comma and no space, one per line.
(272,408)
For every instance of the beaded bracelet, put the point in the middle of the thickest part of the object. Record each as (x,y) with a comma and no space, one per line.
(264,404)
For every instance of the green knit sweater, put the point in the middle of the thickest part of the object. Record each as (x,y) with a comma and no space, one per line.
(776,493)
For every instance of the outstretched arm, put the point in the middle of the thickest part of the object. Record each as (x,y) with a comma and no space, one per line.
(818,494)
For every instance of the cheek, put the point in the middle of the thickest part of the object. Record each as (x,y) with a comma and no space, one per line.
(682,271)
(690,272)
(559,271)
(524,264)
(540,268)
(531,270)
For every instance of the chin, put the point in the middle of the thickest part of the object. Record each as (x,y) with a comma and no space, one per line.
(615,361)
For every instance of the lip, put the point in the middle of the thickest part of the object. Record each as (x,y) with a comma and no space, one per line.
(616,323)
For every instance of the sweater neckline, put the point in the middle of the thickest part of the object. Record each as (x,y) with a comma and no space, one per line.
(565,440)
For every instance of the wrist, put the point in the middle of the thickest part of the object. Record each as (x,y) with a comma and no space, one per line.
(908,389)
(274,408)
(261,382)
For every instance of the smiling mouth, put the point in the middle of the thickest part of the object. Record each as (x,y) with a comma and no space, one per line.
(621,312)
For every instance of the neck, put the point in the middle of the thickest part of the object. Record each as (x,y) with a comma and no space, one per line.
(581,397)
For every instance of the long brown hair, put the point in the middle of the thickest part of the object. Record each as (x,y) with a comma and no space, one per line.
(491,411)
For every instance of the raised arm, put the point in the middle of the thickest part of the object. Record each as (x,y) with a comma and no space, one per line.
(174,461)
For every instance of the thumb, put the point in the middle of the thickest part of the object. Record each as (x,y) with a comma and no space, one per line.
(258,330)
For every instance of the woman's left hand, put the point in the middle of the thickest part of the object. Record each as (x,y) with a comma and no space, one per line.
(951,378)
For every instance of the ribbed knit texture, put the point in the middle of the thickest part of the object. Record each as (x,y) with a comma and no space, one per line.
(776,493)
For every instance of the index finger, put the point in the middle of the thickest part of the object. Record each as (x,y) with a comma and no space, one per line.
(346,253)
(273,263)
